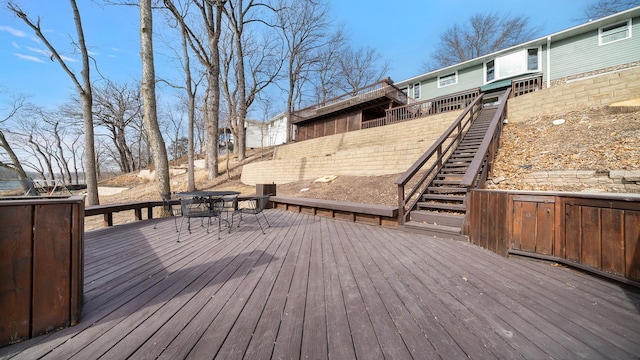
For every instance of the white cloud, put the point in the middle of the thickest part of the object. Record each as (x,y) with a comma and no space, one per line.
(28,57)
(12,31)
(39,51)
(66,58)
(15,45)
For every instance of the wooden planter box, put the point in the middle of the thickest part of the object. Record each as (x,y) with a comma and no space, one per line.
(41,265)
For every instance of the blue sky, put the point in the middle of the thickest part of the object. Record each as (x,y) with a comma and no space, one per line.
(402,31)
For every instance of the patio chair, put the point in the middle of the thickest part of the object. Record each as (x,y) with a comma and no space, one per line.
(168,208)
(255,206)
(228,207)
(202,208)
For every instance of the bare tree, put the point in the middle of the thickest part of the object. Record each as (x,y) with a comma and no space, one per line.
(12,162)
(209,56)
(361,67)
(84,90)
(482,34)
(601,8)
(116,108)
(303,24)
(329,79)
(262,65)
(150,116)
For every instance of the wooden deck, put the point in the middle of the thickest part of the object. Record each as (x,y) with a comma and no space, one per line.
(315,287)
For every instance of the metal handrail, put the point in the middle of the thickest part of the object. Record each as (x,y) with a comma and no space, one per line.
(461,124)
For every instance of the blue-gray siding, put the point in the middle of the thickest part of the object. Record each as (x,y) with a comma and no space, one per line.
(582,53)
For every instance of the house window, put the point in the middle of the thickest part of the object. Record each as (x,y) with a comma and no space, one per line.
(532,59)
(616,32)
(513,64)
(405,90)
(416,90)
(449,79)
(490,70)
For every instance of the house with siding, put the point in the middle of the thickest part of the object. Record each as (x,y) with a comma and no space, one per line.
(599,46)
(272,132)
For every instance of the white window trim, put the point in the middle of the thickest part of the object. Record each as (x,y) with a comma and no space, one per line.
(416,90)
(455,74)
(526,58)
(629,28)
(525,64)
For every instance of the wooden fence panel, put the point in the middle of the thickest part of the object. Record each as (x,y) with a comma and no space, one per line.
(51,272)
(632,244)
(533,223)
(15,267)
(573,232)
(613,248)
(591,239)
(596,232)
(545,218)
(489,220)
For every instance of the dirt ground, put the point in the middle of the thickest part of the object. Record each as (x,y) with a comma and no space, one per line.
(590,139)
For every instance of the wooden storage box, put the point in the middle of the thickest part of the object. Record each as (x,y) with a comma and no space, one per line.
(41,265)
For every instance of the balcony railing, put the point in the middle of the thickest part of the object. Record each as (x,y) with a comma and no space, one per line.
(526,85)
(380,89)
(457,101)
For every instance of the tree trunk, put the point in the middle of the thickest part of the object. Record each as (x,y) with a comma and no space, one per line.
(91,177)
(149,100)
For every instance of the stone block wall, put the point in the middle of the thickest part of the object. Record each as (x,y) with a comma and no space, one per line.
(618,180)
(383,150)
(593,91)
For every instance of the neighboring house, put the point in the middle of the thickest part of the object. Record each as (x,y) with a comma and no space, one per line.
(348,112)
(266,133)
(598,46)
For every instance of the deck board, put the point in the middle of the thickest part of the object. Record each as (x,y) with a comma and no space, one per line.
(315,287)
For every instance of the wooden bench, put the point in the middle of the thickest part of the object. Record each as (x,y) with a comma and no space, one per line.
(357,212)
(107,210)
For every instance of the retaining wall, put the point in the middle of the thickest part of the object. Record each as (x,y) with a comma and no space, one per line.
(383,150)
(593,91)
(616,180)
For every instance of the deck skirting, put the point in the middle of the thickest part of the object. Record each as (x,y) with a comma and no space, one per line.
(381,215)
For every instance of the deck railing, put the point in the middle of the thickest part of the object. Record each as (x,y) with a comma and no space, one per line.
(366,124)
(423,108)
(599,233)
(370,92)
(483,160)
(526,85)
(435,157)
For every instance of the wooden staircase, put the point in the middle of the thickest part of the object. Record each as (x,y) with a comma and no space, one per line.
(432,192)
(441,208)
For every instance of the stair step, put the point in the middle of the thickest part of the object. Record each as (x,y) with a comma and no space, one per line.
(446,190)
(464,153)
(445,176)
(468,144)
(459,165)
(441,206)
(439,231)
(457,198)
(431,217)
(446,182)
